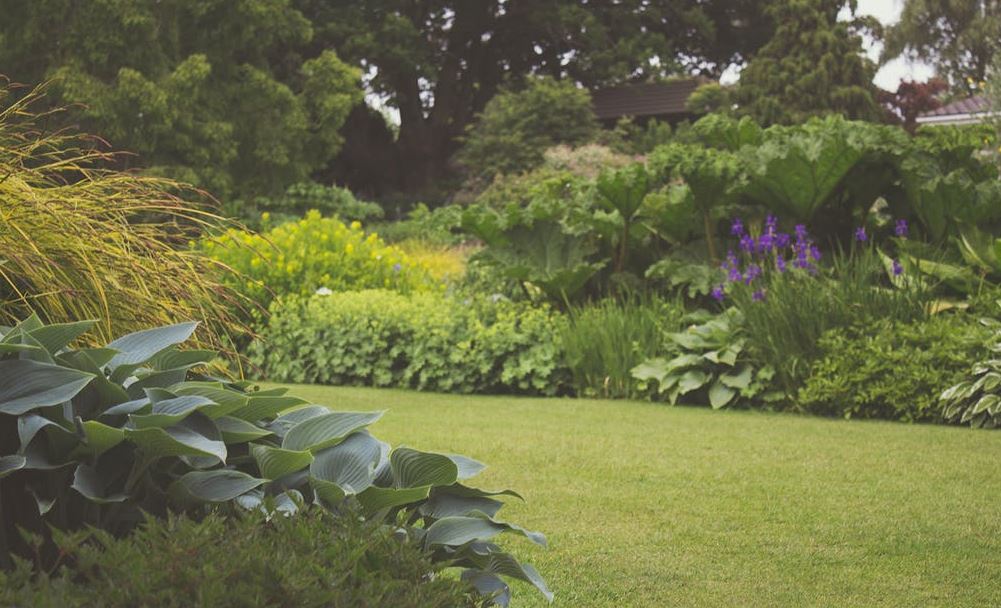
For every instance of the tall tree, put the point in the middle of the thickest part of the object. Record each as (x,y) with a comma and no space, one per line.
(813,65)
(438,62)
(958,37)
(221,93)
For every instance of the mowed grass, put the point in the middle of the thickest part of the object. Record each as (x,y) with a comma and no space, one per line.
(649,505)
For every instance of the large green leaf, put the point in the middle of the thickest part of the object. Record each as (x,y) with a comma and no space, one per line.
(327,430)
(375,499)
(57,335)
(138,347)
(92,483)
(350,464)
(260,407)
(720,394)
(225,401)
(504,564)
(277,462)
(169,412)
(489,585)
(193,436)
(459,530)
(235,430)
(449,505)
(27,385)
(213,486)
(413,468)
(11,464)
(467,466)
(98,437)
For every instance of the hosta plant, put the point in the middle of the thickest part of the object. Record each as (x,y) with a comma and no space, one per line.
(96,436)
(709,363)
(977,399)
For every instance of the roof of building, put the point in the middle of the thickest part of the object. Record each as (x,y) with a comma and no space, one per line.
(644,99)
(971,110)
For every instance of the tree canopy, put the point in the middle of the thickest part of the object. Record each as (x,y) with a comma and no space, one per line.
(958,37)
(813,65)
(224,94)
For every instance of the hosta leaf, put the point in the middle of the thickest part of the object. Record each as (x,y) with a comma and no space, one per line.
(235,430)
(129,407)
(91,483)
(27,385)
(170,411)
(190,437)
(375,499)
(350,464)
(489,585)
(467,466)
(213,486)
(984,403)
(276,462)
(460,490)
(505,564)
(260,407)
(720,394)
(136,348)
(327,430)
(459,530)
(57,335)
(691,380)
(412,468)
(181,359)
(653,369)
(155,380)
(98,437)
(281,425)
(327,492)
(225,401)
(740,379)
(449,505)
(11,464)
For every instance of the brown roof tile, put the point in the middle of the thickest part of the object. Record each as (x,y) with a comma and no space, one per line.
(644,99)
(970,105)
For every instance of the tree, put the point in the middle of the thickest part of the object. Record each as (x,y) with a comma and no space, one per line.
(958,37)
(517,126)
(813,65)
(219,93)
(439,62)
(912,98)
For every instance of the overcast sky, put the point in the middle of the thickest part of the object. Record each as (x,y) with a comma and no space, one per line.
(888,11)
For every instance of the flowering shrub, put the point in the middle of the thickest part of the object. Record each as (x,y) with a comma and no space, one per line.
(789,300)
(426,341)
(314,253)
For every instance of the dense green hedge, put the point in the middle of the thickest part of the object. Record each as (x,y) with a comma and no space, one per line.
(311,560)
(427,341)
(892,370)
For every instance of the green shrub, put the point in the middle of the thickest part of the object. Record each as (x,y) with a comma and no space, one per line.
(891,370)
(313,560)
(425,341)
(603,342)
(517,127)
(709,364)
(313,253)
(437,226)
(299,199)
(95,437)
(976,400)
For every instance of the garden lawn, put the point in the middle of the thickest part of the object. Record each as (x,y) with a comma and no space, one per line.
(651,505)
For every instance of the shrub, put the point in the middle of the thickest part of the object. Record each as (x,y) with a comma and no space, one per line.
(890,369)
(603,342)
(310,254)
(436,226)
(517,127)
(313,560)
(445,264)
(425,341)
(299,199)
(95,437)
(710,363)
(587,161)
(81,242)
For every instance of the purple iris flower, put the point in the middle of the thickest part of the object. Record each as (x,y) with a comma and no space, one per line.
(782,240)
(780,263)
(860,234)
(901,229)
(397,267)
(765,242)
(771,223)
(897,269)
(747,243)
(737,227)
(753,272)
(734,274)
(801,232)
(758,295)
(717,293)
(815,253)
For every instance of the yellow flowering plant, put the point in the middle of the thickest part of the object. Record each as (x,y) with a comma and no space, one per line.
(315,253)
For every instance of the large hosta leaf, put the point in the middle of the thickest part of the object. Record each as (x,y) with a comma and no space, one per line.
(93,483)
(350,464)
(375,499)
(27,385)
(489,585)
(169,412)
(213,486)
(11,464)
(449,505)
(98,437)
(193,436)
(413,468)
(277,462)
(459,530)
(504,564)
(136,348)
(265,406)
(57,335)
(327,430)
(235,430)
